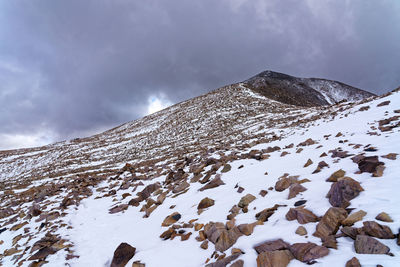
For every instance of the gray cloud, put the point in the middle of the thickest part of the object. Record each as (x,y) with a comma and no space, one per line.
(71,68)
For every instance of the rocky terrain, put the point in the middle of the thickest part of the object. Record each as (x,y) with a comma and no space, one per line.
(231,178)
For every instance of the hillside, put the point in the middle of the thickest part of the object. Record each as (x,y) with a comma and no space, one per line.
(224,179)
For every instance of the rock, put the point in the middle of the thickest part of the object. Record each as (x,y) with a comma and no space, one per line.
(391,156)
(263,193)
(308,142)
(168,233)
(204,244)
(224,261)
(226,168)
(247,228)
(171,219)
(35,210)
(213,183)
(246,200)
(307,252)
(384,103)
(295,189)
(379,171)
(336,175)
(330,222)
(384,217)
(205,203)
(353,218)
(227,239)
(302,215)
(118,208)
(238,263)
(352,232)
(343,191)
(273,245)
(377,230)
(308,163)
(180,187)
(369,245)
(284,182)
(300,202)
(240,189)
(138,264)
(301,230)
(353,263)
(329,241)
(278,258)
(321,165)
(369,164)
(148,190)
(266,213)
(122,255)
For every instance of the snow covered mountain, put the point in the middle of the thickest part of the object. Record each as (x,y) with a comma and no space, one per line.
(303,91)
(235,177)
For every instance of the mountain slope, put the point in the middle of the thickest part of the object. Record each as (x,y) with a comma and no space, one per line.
(303,91)
(75,202)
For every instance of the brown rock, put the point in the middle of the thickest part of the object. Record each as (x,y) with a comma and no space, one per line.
(138,264)
(227,239)
(321,165)
(343,191)
(353,263)
(302,215)
(307,252)
(329,241)
(180,187)
(384,217)
(226,168)
(352,232)
(284,183)
(171,219)
(278,258)
(118,208)
(204,244)
(205,203)
(353,218)
(336,175)
(213,183)
(238,263)
(308,163)
(330,222)
(263,193)
(301,230)
(246,200)
(224,261)
(295,189)
(273,245)
(122,255)
(377,230)
(391,156)
(266,213)
(369,164)
(308,142)
(368,245)
(168,233)
(384,103)
(198,226)
(247,228)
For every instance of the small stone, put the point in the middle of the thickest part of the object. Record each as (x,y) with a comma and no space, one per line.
(205,203)
(226,168)
(353,218)
(246,200)
(122,255)
(353,263)
(379,171)
(118,208)
(240,189)
(308,163)
(213,183)
(301,230)
(138,264)
(391,156)
(295,189)
(204,244)
(263,193)
(300,202)
(171,219)
(384,217)
(369,245)
(336,175)
(384,103)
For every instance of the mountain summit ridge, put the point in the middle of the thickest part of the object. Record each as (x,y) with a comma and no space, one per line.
(303,91)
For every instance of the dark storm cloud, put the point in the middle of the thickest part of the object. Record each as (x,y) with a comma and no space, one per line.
(70,68)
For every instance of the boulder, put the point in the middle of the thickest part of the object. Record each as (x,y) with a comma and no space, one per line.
(353,263)
(302,215)
(122,255)
(171,219)
(295,189)
(205,203)
(307,252)
(336,175)
(246,200)
(368,245)
(227,239)
(343,191)
(369,164)
(278,258)
(377,230)
(353,218)
(213,183)
(330,222)
(384,217)
(273,245)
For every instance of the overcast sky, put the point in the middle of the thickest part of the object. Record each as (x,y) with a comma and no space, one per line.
(74,68)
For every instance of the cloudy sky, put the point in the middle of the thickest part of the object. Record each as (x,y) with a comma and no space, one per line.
(73,68)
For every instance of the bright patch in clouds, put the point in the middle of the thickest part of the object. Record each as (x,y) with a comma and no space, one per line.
(15,141)
(157,103)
